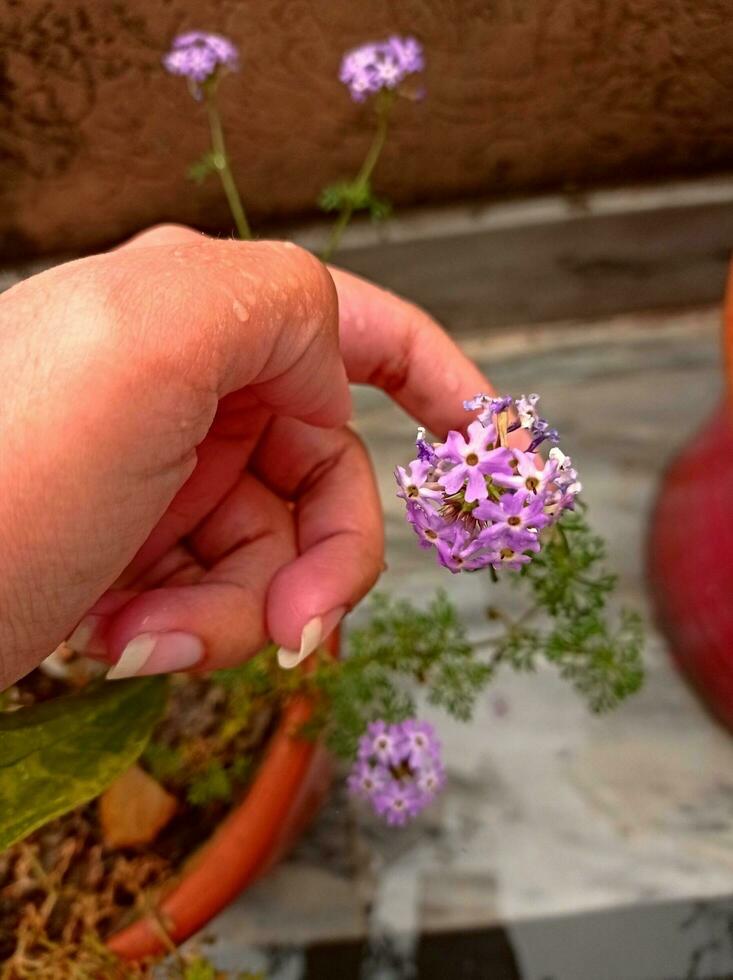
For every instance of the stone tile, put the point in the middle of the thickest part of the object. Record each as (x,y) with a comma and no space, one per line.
(456,900)
(548,809)
(295,904)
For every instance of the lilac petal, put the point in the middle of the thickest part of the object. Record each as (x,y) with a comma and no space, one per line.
(476,489)
(453,480)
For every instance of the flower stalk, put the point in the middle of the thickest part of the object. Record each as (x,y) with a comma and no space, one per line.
(361,182)
(220,162)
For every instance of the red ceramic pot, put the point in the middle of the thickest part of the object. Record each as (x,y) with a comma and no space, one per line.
(691,553)
(291,783)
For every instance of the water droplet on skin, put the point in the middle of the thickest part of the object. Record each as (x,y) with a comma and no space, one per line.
(178,253)
(240,312)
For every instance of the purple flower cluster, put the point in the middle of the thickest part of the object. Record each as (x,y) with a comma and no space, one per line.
(380,65)
(197,55)
(479,502)
(398,769)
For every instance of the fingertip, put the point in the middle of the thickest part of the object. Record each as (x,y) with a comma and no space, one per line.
(315,632)
(163,234)
(323,583)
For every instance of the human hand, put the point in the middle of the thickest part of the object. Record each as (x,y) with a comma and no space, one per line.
(177,481)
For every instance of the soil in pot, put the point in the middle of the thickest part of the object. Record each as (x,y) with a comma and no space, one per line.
(64,888)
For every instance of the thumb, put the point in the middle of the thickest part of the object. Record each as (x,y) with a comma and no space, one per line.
(148,339)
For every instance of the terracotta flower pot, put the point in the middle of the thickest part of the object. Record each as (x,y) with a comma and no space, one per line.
(287,791)
(691,552)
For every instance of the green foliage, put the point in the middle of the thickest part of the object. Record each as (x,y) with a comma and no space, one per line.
(400,644)
(603,665)
(207,164)
(210,765)
(198,969)
(164,762)
(570,589)
(254,678)
(56,755)
(354,195)
(212,784)
(241,769)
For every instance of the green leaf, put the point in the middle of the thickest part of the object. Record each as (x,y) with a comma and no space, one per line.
(399,646)
(57,755)
(199,969)
(379,208)
(355,195)
(210,785)
(206,165)
(600,655)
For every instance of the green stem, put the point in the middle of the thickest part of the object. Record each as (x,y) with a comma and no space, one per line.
(367,168)
(221,163)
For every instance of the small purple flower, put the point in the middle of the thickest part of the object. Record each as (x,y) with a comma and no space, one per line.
(530,419)
(420,742)
(428,525)
(366,779)
(198,55)
(408,53)
(526,474)
(565,477)
(476,458)
(430,779)
(379,65)
(488,406)
(398,803)
(527,410)
(541,431)
(413,484)
(476,403)
(514,516)
(408,775)
(425,452)
(464,551)
(567,483)
(512,558)
(382,742)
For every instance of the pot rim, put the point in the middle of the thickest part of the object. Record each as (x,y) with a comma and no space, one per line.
(289,786)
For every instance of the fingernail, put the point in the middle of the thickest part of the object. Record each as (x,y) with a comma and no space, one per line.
(157,653)
(314,633)
(81,640)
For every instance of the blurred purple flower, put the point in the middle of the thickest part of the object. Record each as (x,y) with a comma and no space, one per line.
(382,742)
(419,742)
(379,65)
(366,780)
(398,769)
(198,55)
(398,803)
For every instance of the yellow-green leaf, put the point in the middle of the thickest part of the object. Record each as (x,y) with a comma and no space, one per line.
(57,755)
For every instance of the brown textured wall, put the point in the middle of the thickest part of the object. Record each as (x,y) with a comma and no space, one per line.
(95,138)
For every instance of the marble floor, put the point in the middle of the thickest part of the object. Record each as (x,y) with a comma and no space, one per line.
(548,809)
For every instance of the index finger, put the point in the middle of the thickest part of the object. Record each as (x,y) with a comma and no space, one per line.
(394,345)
